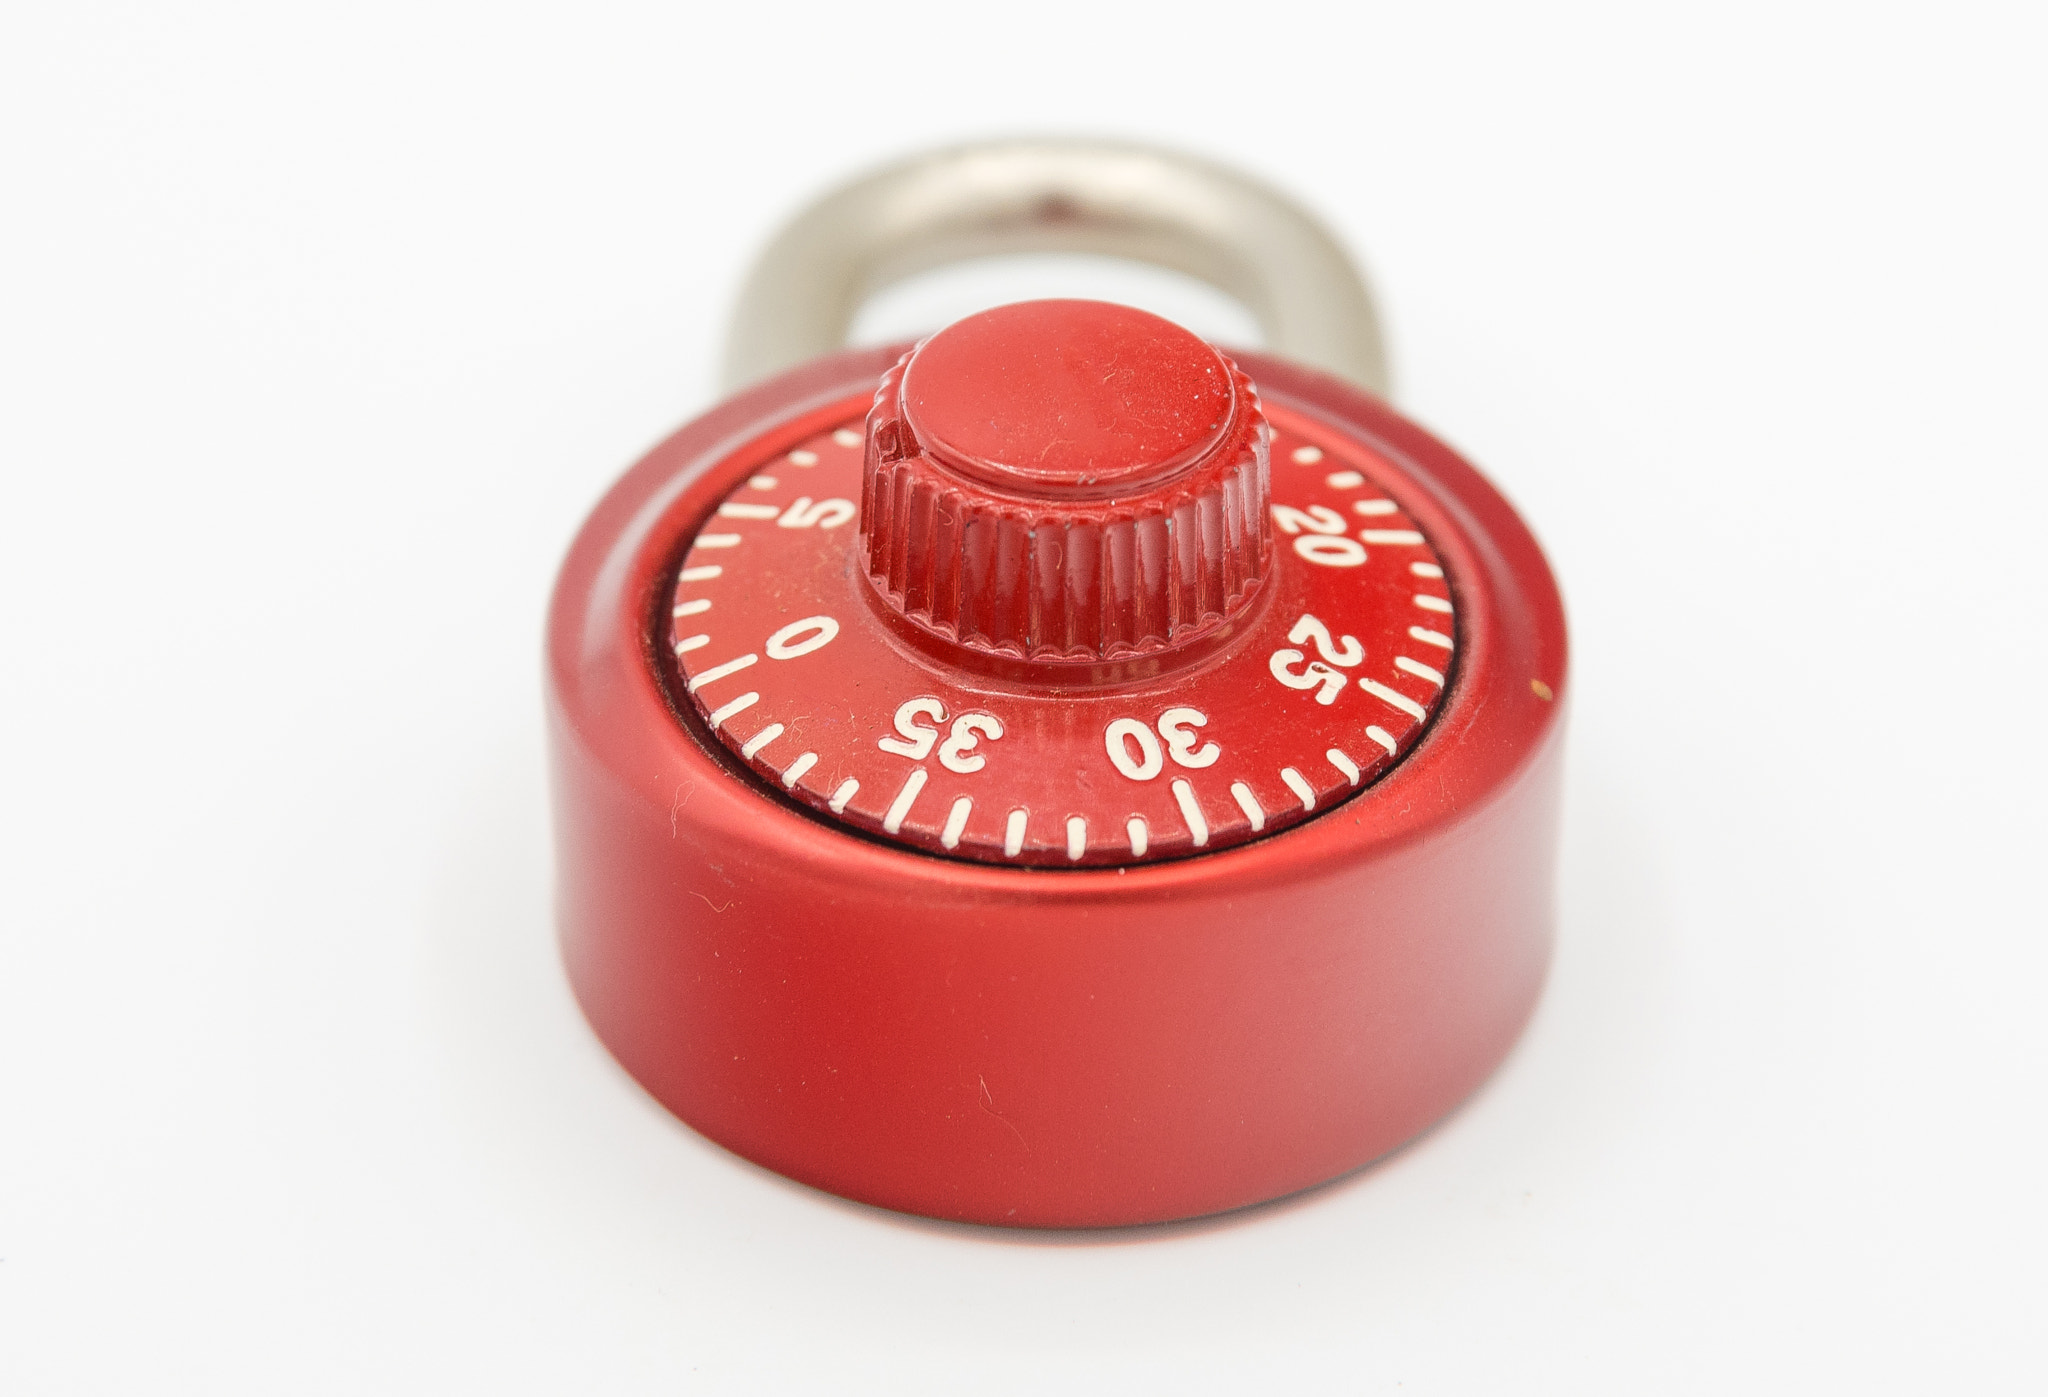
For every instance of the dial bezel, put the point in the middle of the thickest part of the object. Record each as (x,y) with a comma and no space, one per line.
(1286,721)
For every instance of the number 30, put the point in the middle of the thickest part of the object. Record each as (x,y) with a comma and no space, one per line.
(1175,726)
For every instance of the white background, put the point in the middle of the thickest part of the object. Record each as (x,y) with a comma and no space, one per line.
(319,331)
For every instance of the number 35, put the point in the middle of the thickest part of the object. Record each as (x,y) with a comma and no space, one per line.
(957,753)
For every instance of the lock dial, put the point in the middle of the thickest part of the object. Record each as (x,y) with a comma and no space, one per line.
(1068,594)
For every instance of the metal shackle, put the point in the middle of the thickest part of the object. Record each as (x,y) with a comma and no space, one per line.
(1055,195)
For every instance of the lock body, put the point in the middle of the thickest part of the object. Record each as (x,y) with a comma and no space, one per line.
(1047,1046)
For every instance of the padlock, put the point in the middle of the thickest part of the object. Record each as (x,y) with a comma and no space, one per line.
(1059,773)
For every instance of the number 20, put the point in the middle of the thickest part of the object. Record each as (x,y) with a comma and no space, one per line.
(1323,542)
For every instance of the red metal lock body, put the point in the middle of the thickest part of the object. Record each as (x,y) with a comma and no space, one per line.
(1061,778)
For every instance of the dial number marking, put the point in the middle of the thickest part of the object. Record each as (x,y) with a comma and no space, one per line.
(801,637)
(1180,743)
(958,754)
(1316,674)
(1117,739)
(1320,531)
(824,514)
(917,740)
(1316,519)
(1149,759)
(968,730)
(1350,560)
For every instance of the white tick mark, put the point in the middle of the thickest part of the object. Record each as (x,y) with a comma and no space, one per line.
(733,509)
(1342,761)
(1077,836)
(692,642)
(1425,570)
(803,458)
(1375,507)
(956,821)
(847,437)
(1013,832)
(1429,637)
(1345,480)
(761,739)
(1296,783)
(720,671)
(1307,455)
(837,805)
(763,482)
(699,574)
(1141,836)
(1429,603)
(1390,537)
(1418,669)
(1198,826)
(912,784)
(797,768)
(718,540)
(738,705)
(1248,803)
(692,608)
(1381,736)
(1394,699)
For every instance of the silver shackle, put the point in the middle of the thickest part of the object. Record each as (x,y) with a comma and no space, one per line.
(1055,195)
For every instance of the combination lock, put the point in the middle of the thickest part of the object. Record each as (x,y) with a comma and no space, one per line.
(1059,773)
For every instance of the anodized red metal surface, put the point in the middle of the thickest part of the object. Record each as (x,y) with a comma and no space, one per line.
(1081,1047)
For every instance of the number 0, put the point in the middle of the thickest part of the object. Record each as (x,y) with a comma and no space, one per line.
(785,645)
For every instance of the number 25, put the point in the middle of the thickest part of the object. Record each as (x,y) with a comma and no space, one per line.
(1316,673)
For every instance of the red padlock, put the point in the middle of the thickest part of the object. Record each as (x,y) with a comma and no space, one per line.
(1059,774)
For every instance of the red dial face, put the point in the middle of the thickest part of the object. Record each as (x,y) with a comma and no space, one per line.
(1322,680)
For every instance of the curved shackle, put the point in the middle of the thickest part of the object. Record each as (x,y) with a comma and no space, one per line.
(1055,195)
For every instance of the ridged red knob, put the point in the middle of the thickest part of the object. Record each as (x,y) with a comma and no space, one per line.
(1066,481)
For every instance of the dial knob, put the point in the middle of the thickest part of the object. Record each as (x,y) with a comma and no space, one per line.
(1065,482)
(1061,633)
